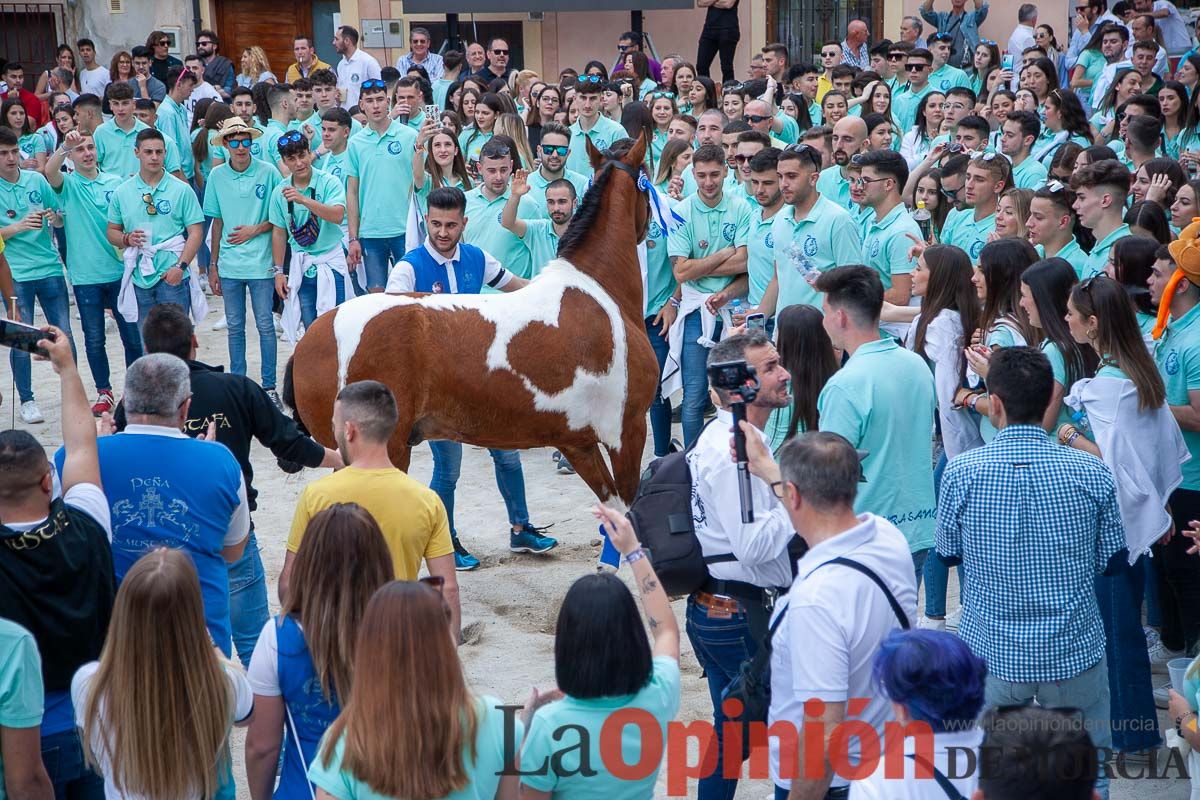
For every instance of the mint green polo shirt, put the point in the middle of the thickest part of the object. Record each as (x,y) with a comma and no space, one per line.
(329,191)
(1098,258)
(383,166)
(174,121)
(886,244)
(660,278)
(30,145)
(538,183)
(833,186)
(115,149)
(820,241)
(790,133)
(177,208)
(904,106)
(657,143)
(542,243)
(998,336)
(1030,174)
(471,141)
(90,258)
(760,253)
(602,134)
(1058,365)
(1177,355)
(31,254)
(241,198)
(334,164)
(964,231)
(422,192)
(730,186)
(947,77)
(441,88)
(315,122)
(22,696)
(882,400)
(485,231)
(215,153)
(1073,254)
(269,141)
(707,230)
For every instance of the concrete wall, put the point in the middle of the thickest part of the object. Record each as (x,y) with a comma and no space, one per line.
(113,32)
(1001,19)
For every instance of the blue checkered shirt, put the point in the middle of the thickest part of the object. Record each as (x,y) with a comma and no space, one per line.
(1033,523)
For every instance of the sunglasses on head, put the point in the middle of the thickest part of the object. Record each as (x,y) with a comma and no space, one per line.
(148,199)
(582,79)
(987,42)
(372,83)
(983,156)
(662,95)
(237,144)
(807,151)
(941,37)
(291,137)
(552,149)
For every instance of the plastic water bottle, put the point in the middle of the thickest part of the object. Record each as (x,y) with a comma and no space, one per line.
(1080,420)
(736,309)
(924,220)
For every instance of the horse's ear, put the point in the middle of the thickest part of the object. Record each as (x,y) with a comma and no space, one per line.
(637,153)
(594,155)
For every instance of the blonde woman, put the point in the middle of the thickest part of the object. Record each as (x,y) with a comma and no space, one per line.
(511,126)
(156,710)
(255,68)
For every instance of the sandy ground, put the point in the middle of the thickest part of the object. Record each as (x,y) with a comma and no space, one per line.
(509,606)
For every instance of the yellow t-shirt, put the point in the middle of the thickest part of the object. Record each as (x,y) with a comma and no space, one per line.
(411,516)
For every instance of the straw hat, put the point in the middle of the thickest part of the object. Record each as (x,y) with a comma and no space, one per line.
(234,126)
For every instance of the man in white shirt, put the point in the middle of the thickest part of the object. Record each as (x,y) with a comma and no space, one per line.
(92,76)
(195,65)
(1022,36)
(828,628)
(355,67)
(1176,37)
(727,617)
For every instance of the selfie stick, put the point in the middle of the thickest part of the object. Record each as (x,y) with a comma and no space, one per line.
(743,463)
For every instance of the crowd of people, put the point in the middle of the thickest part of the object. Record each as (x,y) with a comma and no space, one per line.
(965,279)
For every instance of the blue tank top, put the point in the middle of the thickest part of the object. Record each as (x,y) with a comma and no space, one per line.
(431,276)
(310,712)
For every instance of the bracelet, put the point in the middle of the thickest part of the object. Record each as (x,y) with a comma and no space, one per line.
(125,240)
(1179,722)
(1071,438)
(635,555)
(674,303)
(278,269)
(973,400)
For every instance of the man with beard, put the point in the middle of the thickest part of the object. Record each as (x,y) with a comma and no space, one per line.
(540,236)
(552,164)
(849,136)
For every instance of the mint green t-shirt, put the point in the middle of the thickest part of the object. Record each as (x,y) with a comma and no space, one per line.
(315,122)
(1177,355)
(1058,365)
(946,77)
(485,231)
(833,186)
(115,149)
(660,278)
(790,132)
(215,153)
(422,192)
(176,208)
(707,230)
(90,257)
(471,141)
(602,134)
(882,400)
(905,103)
(998,336)
(326,190)
(760,253)
(21,692)
(1030,174)
(542,243)
(174,121)
(334,164)
(1093,63)
(483,771)
(817,243)
(383,166)
(1073,254)
(241,198)
(538,183)
(30,145)
(886,244)
(31,254)
(269,141)
(554,738)
(967,233)
(1098,258)
(441,87)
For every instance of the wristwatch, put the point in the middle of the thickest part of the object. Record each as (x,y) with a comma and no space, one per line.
(635,555)
(181,265)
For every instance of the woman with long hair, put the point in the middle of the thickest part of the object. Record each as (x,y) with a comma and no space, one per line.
(487,110)
(304,660)
(1011,212)
(156,710)
(256,68)
(1188,72)
(209,156)
(1089,67)
(915,144)
(702,96)
(639,64)
(637,121)
(1131,263)
(1173,100)
(511,126)
(1187,201)
(596,68)
(662,111)
(548,103)
(467,100)
(986,60)
(443,165)
(834,106)
(602,663)
(1126,83)
(64,58)
(672,163)
(1159,180)
(796,106)
(1149,218)
(1188,146)
(31,146)
(1063,164)
(929,191)
(410,727)
(806,352)
(1065,121)
(685,75)
(1041,78)
(1043,37)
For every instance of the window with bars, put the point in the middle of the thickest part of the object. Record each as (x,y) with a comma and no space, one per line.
(29,35)
(803,25)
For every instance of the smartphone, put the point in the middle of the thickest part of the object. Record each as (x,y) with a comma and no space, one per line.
(1006,62)
(23,337)
(432,112)
(756,322)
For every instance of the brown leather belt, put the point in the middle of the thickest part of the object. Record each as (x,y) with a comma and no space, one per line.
(719,605)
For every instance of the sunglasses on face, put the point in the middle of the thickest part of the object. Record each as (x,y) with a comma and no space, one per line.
(237,144)
(148,199)
(555,149)
(828,54)
(373,83)
(755,119)
(498,52)
(915,67)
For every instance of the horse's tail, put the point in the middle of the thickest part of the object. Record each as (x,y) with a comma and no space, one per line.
(289,399)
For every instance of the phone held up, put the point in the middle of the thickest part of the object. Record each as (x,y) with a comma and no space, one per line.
(23,337)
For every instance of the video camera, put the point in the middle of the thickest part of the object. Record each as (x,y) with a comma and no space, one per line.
(738,379)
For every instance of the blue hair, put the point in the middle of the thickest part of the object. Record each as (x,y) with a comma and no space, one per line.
(934,674)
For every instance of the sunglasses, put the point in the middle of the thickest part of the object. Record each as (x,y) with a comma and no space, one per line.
(552,149)
(896,56)
(238,144)
(981,156)
(584,79)
(808,151)
(861,181)
(741,159)
(951,194)
(499,52)
(624,47)
(163,43)
(662,95)
(435,582)
(915,67)
(754,119)
(987,42)
(829,54)
(148,199)
(203,44)
(941,37)
(291,137)
(373,83)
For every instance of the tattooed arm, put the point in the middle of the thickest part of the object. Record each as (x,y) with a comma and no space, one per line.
(664,629)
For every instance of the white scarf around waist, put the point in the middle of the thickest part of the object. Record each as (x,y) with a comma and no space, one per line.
(142,260)
(691,299)
(335,260)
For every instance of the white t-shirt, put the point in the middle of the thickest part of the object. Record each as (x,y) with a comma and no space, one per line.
(1176,37)
(80,684)
(263,673)
(202,91)
(351,72)
(963,774)
(836,618)
(86,497)
(94,81)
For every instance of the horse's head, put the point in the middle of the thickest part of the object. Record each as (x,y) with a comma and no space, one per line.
(627,156)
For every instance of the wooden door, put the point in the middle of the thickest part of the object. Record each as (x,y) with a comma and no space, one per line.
(270,24)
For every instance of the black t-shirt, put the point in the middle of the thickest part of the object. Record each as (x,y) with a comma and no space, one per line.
(721,20)
(242,411)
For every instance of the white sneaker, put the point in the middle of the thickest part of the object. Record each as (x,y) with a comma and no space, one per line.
(204,287)
(221,324)
(1151,637)
(929,623)
(1159,656)
(953,618)
(278,323)
(1162,696)
(30,413)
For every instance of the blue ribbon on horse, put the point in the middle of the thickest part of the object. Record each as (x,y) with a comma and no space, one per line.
(660,205)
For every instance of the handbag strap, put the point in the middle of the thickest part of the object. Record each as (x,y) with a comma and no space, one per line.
(942,781)
(296,738)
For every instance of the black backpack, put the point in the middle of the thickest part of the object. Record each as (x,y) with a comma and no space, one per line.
(661,515)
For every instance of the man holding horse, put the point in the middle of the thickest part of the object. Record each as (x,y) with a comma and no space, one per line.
(446,264)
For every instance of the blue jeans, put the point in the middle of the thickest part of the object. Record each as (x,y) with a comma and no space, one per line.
(376,254)
(1153,609)
(162,292)
(936,573)
(262,292)
(204,256)
(51,293)
(1087,691)
(721,645)
(660,409)
(920,559)
(1131,693)
(248,611)
(308,297)
(510,479)
(93,300)
(694,366)
(62,755)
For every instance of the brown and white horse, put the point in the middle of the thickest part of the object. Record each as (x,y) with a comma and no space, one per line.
(562,362)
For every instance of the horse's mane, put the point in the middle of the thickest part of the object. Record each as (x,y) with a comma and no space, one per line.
(585,216)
